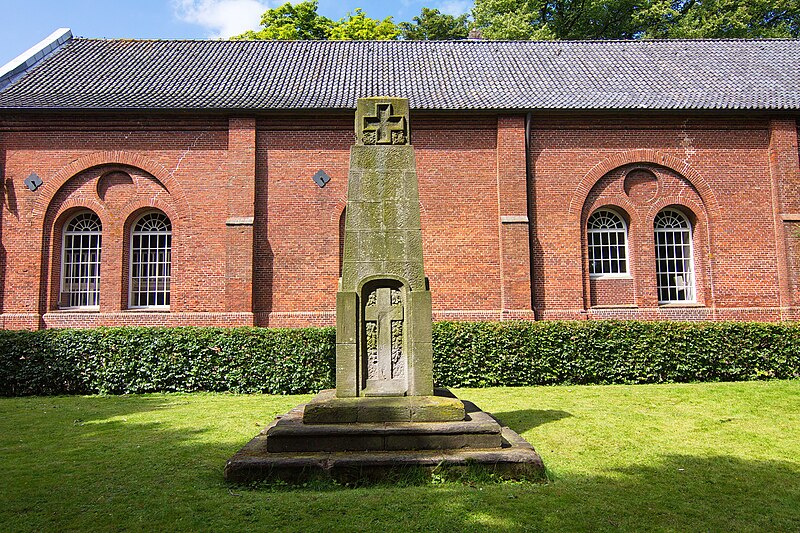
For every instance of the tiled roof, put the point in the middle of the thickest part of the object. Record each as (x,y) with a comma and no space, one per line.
(679,74)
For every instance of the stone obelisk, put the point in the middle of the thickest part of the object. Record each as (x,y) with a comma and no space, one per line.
(383,307)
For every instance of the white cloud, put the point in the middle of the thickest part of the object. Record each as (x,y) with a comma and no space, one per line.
(455,7)
(223,18)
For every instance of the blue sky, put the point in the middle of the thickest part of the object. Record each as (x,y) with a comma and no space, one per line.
(26,22)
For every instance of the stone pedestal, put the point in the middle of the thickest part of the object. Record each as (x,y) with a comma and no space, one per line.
(291,449)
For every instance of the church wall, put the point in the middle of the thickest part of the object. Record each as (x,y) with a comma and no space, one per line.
(298,252)
(170,161)
(256,241)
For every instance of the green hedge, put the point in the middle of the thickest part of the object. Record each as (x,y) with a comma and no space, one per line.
(135,360)
(488,354)
(288,361)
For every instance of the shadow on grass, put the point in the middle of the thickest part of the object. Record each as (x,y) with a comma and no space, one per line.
(527,419)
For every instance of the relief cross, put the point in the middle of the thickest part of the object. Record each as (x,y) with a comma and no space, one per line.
(383,313)
(384,124)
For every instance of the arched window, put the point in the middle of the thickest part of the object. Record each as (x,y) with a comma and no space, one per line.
(607,243)
(80,262)
(674,263)
(151,261)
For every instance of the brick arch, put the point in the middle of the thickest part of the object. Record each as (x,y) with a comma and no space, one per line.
(653,157)
(55,182)
(696,210)
(76,205)
(138,206)
(623,205)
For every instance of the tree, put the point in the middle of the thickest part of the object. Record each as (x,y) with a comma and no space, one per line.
(359,27)
(721,19)
(627,19)
(557,19)
(433,25)
(291,22)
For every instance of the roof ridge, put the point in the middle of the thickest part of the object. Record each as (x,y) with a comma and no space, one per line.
(444,41)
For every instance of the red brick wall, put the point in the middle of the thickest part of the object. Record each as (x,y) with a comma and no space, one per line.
(299,231)
(718,169)
(256,241)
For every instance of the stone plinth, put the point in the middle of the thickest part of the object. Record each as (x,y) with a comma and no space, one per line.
(326,408)
(292,450)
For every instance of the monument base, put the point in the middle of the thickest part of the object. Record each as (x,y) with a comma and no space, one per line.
(292,450)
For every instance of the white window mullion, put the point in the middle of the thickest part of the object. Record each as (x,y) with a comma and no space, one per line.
(674,262)
(607,244)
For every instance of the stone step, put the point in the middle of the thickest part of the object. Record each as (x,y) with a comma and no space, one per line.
(326,408)
(290,434)
(514,459)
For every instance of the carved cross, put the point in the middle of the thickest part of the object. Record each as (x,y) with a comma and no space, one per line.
(383,313)
(384,124)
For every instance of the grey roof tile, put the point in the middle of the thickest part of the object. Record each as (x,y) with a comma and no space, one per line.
(148,74)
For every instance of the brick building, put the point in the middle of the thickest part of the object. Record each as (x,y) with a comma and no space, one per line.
(171,182)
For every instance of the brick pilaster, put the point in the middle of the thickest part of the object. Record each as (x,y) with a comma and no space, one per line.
(512,196)
(785,173)
(239,221)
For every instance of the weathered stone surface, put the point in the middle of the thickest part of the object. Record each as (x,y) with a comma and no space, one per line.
(382,120)
(442,442)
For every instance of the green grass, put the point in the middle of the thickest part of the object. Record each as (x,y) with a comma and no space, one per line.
(719,456)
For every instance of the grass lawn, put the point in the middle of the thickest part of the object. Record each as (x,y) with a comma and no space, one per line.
(720,456)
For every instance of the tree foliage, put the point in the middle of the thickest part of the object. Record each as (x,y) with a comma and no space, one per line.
(547,19)
(689,19)
(630,19)
(302,22)
(358,26)
(291,22)
(433,25)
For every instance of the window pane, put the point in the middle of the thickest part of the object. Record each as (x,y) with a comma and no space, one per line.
(150,267)
(674,264)
(606,237)
(80,262)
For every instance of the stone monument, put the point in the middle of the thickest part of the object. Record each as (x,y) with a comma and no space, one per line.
(384,413)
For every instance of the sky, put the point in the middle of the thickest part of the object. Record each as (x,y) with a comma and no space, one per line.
(26,22)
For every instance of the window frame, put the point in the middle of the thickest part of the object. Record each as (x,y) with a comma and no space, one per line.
(98,248)
(687,244)
(133,264)
(600,231)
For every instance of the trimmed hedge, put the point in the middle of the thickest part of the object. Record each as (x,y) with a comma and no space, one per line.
(482,354)
(136,360)
(488,354)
